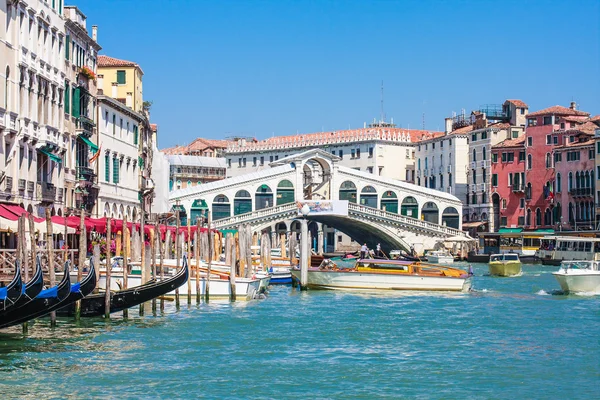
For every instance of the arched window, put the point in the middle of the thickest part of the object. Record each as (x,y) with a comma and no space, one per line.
(538,216)
(570,182)
(528,217)
(528,161)
(484,157)
(474,155)
(418,163)
(577,180)
(189,183)
(558,183)
(6,87)
(548,161)
(426,162)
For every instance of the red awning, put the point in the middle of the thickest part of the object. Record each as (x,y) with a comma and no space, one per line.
(6,214)
(17,211)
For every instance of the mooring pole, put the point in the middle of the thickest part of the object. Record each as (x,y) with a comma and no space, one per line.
(304,249)
(108,267)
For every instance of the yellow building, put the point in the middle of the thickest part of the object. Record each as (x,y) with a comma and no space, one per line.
(121,80)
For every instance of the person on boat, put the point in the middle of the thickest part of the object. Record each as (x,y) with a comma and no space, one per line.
(378,250)
(363,251)
(470,270)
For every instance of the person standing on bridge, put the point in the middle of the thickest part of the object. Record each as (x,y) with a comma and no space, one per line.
(364,250)
(378,248)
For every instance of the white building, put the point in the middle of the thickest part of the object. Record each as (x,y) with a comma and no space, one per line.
(118,165)
(32,131)
(380,149)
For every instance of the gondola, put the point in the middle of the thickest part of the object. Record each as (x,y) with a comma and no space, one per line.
(39,306)
(30,290)
(94,305)
(11,293)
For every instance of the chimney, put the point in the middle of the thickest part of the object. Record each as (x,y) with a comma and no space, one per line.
(95,33)
(573,105)
(448,122)
(114,90)
(129,100)
(100,81)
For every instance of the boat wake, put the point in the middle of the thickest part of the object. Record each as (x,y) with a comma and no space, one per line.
(542,292)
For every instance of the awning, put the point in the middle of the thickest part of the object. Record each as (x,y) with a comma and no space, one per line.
(475,224)
(510,230)
(53,157)
(199,204)
(87,141)
(179,208)
(551,231)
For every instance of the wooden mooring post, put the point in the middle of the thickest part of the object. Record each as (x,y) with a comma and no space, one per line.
(188,252)
(81,260)
(197,254)
(126,252)
(50,246)
(177,253)
(154,236)
(161,250)
(108,267)
(232,250)
(210,254)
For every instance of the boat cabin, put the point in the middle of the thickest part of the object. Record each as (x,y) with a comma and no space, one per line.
(569,248)
(505,257)
(514,240)
(581,265)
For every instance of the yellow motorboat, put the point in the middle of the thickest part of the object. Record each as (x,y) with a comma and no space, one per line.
(507,264)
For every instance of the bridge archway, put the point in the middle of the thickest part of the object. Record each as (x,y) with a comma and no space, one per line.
(317,178)
(221,208)
(409,207)
(368,197)
(242,202)
(389,202)
(285,192)
(430,212)
(348,191)
(263,197)
(450,217)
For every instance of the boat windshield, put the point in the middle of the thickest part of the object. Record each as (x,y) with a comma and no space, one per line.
(579,265)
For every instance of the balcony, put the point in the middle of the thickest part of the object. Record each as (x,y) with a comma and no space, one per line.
(581,192)
(46,192)
(86,174)
(494,111)
(518,187)
(85,125)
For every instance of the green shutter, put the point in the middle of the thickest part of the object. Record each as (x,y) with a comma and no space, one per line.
(115,170)
(135,134)
(67,47)
(67,97)
(76,112)
(107,167)
(121,77)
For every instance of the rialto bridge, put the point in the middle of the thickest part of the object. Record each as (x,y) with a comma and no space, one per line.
(394,213)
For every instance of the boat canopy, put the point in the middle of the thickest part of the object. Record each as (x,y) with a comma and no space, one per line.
(572,239)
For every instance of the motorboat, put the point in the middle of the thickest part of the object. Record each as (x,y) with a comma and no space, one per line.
(579,276)
(376,274)
(506,264)
(440,257)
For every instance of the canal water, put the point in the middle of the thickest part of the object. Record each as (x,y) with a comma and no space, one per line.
(509,338)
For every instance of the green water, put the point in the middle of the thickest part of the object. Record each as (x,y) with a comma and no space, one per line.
(511,338)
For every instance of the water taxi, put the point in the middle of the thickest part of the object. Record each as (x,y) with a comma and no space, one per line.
(556,249)
(440,257)
(375,274)
(507,264)
(579,276)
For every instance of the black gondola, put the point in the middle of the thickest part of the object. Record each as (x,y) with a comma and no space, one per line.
(94,305)
(11,293)
(30,290)
(38,306)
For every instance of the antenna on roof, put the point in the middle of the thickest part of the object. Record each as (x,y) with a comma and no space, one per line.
(382,114)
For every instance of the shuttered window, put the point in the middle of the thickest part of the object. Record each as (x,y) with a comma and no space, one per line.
(107,167)
(67,97)
(115,170)
(67,47)
(135,134)
(75,101)
(121,77)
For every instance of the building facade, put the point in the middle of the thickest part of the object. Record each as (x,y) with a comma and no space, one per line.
(121,80)
(201,147)
(188,171)
(119,164)
(33,138)
(508,183)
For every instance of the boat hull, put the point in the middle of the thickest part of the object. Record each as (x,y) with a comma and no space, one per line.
(505,268)
(578,283)
(357,280)
(440,259)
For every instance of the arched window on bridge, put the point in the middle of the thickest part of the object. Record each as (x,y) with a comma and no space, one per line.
(410,207)
(242,202)
(285,192)
(263,197)
(430,212)
(368,197)
(348,191)
(221,208)
(389,202)
(198,210)
(450,217)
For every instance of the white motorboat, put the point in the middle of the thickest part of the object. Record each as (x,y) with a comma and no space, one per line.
(440,257)
(372,274)
(579,276)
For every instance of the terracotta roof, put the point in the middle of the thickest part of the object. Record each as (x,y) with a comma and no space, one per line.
(575,118)
(595,118)
(198,145)
(106,61)
(464,129)
(500,125)
(588,128)
(335,137)
(154,127)
(517,103)
(558,110)
(570,145)
(518,142)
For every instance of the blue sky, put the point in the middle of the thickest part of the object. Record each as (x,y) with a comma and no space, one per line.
(262,68)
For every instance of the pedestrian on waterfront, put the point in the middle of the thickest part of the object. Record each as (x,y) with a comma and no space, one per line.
(363,251)
(378,250)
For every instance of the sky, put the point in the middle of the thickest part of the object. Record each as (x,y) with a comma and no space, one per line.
(216,69)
